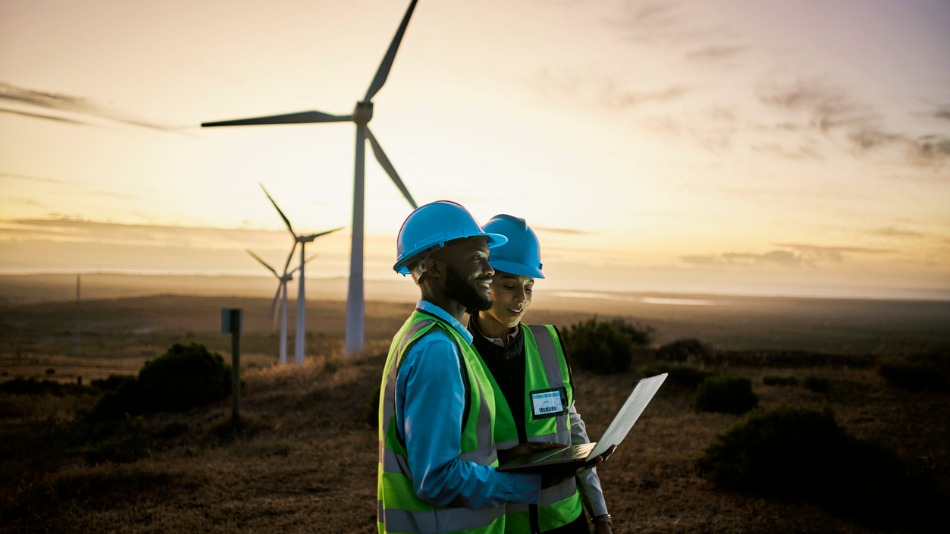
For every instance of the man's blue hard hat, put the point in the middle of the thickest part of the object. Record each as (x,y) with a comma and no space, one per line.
(521,255)
(434,225)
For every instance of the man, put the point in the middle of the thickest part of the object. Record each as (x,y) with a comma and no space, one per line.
(437,407)
(527,362)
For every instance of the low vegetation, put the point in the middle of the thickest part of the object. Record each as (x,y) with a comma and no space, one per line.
(605,347)
(186,376)
(724,393)
(804,456)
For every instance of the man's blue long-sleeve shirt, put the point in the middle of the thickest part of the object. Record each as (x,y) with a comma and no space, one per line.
(430,405)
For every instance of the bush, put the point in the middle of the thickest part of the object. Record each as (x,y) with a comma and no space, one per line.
(726,394)
(914,377)
(686,349)
(802,455)
(605,347)
(185,377)
(779,380)
(816,385)
(112,383)
(682,376)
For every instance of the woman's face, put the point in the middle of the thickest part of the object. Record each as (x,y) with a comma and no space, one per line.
(511,296)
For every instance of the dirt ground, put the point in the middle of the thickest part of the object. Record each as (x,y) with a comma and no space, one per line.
(305,459)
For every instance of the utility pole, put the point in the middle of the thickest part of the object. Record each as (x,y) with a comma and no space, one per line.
(231,324)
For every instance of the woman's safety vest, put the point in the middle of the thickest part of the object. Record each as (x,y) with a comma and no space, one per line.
(399,508)
(550,395)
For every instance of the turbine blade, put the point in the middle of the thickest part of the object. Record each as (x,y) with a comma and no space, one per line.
(311,237)
(290,256)
(383,72)
(390,170)
(304,117)
(282,216)
(305,261)
(264,263)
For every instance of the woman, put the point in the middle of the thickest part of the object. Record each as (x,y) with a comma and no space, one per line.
(527,364)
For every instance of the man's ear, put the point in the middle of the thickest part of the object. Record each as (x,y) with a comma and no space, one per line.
(434,267)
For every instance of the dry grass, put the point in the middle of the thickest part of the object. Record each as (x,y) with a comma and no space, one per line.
(305,459)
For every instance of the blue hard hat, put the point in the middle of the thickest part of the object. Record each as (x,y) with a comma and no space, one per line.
(434,225)
(521,255)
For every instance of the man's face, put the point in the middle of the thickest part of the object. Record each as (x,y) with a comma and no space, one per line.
(468,276)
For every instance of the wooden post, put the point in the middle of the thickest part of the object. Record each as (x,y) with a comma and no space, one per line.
(231,323)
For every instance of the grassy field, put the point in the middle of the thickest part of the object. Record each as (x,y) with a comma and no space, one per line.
(306,459)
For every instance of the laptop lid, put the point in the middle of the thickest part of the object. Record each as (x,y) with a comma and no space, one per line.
(615,433)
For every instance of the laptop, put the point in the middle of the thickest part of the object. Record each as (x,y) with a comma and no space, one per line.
(641,395)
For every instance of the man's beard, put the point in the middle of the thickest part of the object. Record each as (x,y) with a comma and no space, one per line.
(461,291)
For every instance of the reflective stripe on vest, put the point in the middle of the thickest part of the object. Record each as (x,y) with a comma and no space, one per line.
(545,367)
(399,509)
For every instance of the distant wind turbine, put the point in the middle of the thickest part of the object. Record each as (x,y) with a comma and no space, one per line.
(301,291)
(280,295)
(362,114)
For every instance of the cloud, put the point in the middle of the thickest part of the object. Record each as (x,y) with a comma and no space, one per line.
(715,53)
(74,229)
(833,113)
(890,231)
(563,231)
(790,255)
(662,23)
(597,90)
(20,96)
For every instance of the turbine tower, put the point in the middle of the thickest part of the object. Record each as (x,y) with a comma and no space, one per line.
(362,114)
(302,240)
(282,295)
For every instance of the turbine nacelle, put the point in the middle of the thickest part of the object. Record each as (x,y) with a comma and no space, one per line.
(363,112)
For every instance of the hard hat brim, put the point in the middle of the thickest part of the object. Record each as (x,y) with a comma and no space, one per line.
(517,269)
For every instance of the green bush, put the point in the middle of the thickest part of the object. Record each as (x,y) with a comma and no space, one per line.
(604,347)
(681,376)
(802,455)
(816,384)
(185,377)
(686,349)
(726,394)
(914,377)
(779,380)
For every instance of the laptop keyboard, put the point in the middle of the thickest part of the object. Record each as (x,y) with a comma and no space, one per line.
(580,450)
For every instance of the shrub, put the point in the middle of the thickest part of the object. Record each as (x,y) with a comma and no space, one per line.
(605,347)
(686,349)
(682,376)
(779,380)
(112,383)
(726,394)
(815,384)
(802,455)
(914,377)
(185,377)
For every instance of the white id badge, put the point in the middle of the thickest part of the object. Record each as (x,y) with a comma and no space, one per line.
(549,402)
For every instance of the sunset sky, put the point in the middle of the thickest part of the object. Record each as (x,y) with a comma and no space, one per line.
(772,147)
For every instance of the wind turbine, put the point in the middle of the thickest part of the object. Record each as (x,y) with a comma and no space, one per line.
(302,240)
(281,295)
(362,114)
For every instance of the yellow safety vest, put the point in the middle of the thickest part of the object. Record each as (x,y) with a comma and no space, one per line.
(545,369)
(399,508)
